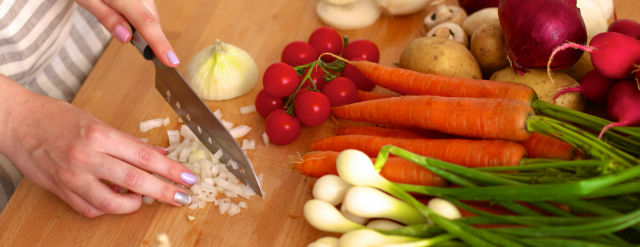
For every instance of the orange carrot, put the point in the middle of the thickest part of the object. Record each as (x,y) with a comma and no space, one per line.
(410,82)
(470,117)
(429,134)
(396,169)
(377,131)
(365,96)
(469,153)
(542,146)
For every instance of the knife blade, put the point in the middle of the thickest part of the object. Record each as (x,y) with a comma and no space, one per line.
(198,117)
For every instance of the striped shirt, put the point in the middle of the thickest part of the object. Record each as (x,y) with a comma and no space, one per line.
(48,46)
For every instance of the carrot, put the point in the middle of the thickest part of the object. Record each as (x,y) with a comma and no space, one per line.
(396,169)
(429,134)
(410,82)
(469,153)
(470,117)
(366,96)
(377,131)
(542,146)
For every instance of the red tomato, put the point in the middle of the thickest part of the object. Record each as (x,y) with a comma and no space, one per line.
(326,39)
(316,77)
(281,127)
(266,103)
(280,80)
(363,49)
(353,74)
(298,53)
(312,108)
(341,91)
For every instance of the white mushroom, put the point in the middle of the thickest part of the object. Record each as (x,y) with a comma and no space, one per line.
(450,31)
(444,13)
(359,14)
(401,7)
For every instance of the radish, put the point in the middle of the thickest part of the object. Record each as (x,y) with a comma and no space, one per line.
(624,105)
(594,86)
(612,54)
(627,27)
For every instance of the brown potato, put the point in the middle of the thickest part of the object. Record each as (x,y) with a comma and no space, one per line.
(487,46)
(546,90)
(435,55)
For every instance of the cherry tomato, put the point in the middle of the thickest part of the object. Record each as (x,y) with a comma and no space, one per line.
(312,108)
(266,103)
(363,49)
(298,53)
(354,75)
(326,39)
(280,80)
(281,127)
(316,77)
(341,91)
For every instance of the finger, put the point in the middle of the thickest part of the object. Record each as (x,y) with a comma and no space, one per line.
(148,25)
(147,158)
(113,21)
(141,182)
(104,199)
(80,205)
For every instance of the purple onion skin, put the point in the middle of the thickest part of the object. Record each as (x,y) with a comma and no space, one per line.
(471,6)
(533,29)
(627,27)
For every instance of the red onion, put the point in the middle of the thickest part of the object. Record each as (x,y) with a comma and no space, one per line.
(533,29)
(471,6)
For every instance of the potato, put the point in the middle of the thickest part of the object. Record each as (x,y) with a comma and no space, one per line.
(478,18)
(580,68)
(435,55)
(487,46)
(546,90)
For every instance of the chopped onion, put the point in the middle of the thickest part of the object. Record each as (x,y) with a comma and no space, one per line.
(233,164)
(242,204)
(190,217)
(174,137)
(260,176)
(265,138)
(228,125)
(248,109)
(147,199)
(218,114)
(180,120)
(230,194)
(248,144)
(150,124)
(166,122)
(193,206)
(233,209)
(223,207)
(186,132)
(240,131)
(216,157)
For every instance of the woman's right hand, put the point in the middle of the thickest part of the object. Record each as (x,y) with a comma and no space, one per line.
(68,152)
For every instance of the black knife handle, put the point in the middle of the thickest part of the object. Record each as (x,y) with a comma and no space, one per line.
(140,44)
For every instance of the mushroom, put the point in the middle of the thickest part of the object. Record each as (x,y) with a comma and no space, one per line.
(450,31)
(358,14)
(444,13)
(401,7)
(340,2)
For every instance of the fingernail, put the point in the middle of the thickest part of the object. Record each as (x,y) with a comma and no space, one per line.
(122,33)
(182,198)
(172,57)
(188,178)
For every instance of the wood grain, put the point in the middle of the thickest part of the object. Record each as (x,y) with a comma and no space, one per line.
(120,92)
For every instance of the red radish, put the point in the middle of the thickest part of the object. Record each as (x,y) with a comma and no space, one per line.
(594,86)
(627,27)
(351,72)
(612,54)
(624,105)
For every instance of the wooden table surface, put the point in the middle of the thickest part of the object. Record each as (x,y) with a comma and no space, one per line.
(120,91)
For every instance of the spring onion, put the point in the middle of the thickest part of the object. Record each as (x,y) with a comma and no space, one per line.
(368,237)
(326,217)
(372,203)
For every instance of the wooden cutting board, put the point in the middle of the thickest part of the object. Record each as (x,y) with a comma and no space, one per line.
(120,91)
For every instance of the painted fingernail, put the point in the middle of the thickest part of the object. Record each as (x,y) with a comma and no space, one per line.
(122,33)
(188,178)
(173,59)
(182,198)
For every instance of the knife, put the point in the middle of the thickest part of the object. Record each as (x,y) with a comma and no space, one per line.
(198,117)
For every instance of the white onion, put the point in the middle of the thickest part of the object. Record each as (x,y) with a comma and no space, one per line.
(218,114)
(223,207)
(240,131)
(187,133)
(166,122)
(150,124)
(248,144)
(242,204)
(248,109)
(228,125)
(265,138)
(174,137)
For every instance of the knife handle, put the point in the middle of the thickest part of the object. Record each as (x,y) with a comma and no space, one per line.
(140,44)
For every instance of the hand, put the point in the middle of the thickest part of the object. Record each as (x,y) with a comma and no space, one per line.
(68,152)
(115,16)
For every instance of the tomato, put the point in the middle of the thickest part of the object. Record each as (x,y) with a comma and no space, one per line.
(280,80)
(266,103)
(316,77)
(354,75)
(363,49)
(312,108)
(326,39)
(298,53)
(281,127)
(341,91)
